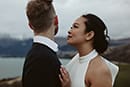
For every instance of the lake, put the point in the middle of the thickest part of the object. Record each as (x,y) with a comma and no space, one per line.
(12,67)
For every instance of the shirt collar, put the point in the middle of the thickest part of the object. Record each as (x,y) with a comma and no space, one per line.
(46,41)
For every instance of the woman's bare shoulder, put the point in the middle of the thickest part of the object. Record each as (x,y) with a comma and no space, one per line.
(98,65)
(98,72)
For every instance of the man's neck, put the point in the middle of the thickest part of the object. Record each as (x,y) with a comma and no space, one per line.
(45,35)
(49,34)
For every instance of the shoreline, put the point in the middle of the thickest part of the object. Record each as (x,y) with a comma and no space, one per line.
(11,82)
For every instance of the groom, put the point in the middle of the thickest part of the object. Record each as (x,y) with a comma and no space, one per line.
(41,67)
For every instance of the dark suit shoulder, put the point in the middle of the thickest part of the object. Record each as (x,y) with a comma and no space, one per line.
(41,67)
(42,53)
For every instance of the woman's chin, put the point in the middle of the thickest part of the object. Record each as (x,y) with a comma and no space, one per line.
(69,42)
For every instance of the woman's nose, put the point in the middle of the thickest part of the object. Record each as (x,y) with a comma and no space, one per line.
(69,31)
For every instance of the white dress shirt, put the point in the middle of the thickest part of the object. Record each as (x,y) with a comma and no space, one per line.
(46,41)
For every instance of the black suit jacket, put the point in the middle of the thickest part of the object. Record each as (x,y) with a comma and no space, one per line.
(41,68)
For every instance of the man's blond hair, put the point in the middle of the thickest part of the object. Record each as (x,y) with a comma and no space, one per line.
(40,14)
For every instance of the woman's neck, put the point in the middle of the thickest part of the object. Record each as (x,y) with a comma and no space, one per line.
(84,50)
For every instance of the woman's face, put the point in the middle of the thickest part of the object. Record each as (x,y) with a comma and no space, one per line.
(76,35)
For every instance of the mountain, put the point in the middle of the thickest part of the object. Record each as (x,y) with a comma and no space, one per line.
(119,50)
(10,47)
(119,42)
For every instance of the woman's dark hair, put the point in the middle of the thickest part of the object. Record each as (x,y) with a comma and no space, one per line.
(95,24)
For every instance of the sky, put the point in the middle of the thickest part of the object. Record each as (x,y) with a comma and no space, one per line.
(114,13)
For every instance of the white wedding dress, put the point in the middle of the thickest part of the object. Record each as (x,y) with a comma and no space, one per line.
(78,66)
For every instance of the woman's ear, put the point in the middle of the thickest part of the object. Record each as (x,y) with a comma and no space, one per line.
(90,35)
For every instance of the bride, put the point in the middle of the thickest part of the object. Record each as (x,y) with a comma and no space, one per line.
(88,68)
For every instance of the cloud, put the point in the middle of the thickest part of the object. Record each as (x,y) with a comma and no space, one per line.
(114,13)
(13,19)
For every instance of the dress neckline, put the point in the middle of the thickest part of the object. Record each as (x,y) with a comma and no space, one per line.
(88,57)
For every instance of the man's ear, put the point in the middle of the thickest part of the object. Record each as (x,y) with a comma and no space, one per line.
(56,24)
(30,25)
(56,20)
(90,35)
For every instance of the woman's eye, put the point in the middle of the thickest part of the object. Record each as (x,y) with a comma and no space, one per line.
(75,26)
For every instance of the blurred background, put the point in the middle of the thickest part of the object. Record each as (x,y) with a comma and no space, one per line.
(16,36)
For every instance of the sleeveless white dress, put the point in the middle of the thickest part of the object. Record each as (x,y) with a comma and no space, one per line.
(78,66)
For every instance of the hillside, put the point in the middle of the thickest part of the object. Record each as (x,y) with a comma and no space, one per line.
(119,53)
